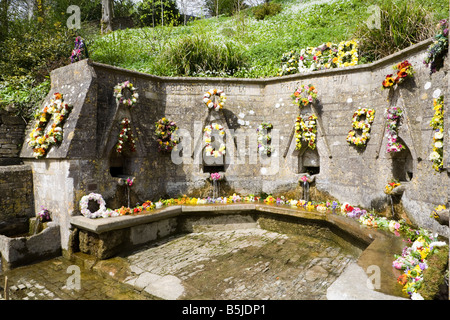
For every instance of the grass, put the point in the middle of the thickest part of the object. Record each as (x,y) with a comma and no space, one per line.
(258,43)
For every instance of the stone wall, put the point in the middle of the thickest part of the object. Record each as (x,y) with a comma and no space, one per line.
(83,162)
(12,130)
(16,199)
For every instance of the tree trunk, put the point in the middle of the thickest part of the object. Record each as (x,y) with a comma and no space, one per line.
(4,6)
(162,14)
(107,16)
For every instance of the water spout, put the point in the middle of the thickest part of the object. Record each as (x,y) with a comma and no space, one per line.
(128,195)
(392,206)
(306,190)
(36,226)
(216,189)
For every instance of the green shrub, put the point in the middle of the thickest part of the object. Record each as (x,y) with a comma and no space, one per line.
(402,25)
(266,10)
(197,55)
(36,53)
(22,95)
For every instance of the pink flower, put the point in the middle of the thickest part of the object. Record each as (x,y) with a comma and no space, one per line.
(304,178)
(215,176)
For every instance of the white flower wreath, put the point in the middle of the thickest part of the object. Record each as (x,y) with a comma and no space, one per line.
(118,93)
(210,104)
(210,151)
(84,202)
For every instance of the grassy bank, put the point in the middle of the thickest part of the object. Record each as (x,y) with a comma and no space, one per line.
(243,46)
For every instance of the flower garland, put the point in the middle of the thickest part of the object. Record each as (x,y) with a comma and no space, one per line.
(326,56)
(56,112)
(438,50)
(393,116)
(210,151)
(264,138)
(364,125)
(307,131)
(120,98)
(125,135)
(165,131)
(84,202)
(404,70)
(437,123)
(212,105)
(304,95)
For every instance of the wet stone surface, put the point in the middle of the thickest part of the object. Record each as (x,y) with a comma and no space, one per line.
(242,264)
(51,280)
(236,264)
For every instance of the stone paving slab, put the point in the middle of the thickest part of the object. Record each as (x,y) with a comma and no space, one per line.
(239,264)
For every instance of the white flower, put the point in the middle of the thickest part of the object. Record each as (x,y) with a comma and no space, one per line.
(438,144)
(438,135)
(434,156)
(416,296)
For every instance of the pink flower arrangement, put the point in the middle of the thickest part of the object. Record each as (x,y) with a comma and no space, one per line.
(130,182)
(215,176)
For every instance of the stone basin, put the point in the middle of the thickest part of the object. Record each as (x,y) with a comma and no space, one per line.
(23,249)
(109,237)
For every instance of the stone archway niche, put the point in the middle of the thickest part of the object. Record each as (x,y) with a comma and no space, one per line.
(402,164)
(309,162)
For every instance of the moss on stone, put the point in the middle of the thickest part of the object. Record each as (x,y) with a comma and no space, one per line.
(434,275)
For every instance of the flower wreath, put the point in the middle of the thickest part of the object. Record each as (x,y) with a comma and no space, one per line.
(210,151)
(393,116)
(304,95)
(306,130)
(364,125)
(40,139)
(118,93)
(264,138)
(84,202)
(437,123)
(125,135)
(347,53)
(212,105)
(165,133)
